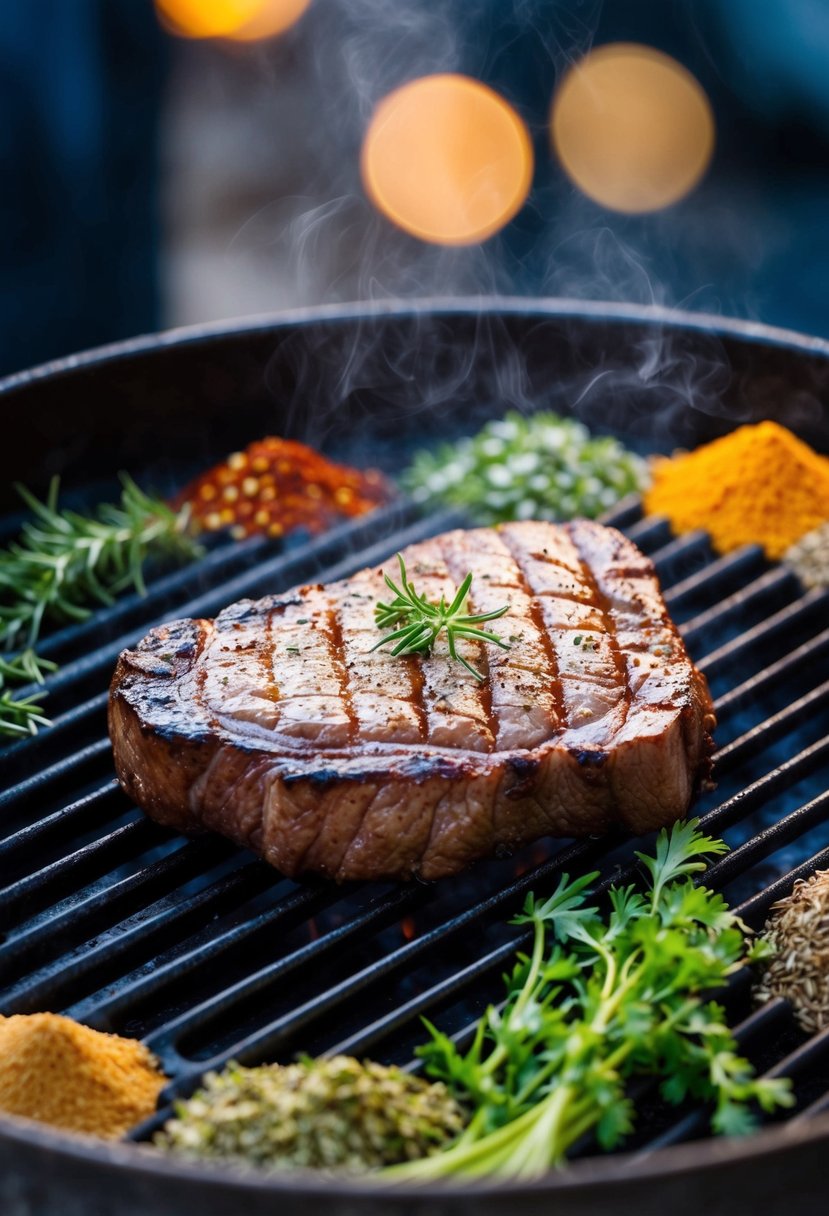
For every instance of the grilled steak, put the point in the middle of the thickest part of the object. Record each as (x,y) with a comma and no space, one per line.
(275,725)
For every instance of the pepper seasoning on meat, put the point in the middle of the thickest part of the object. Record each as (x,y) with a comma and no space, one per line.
(277,485)
(760,485)
(59,1072)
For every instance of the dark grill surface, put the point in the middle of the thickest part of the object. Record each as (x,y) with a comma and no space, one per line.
(208,954)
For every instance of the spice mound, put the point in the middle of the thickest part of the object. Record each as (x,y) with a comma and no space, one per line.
(333,1113)
(278,485)
(798,929)
(59,1072)
(759,485)
(810,557)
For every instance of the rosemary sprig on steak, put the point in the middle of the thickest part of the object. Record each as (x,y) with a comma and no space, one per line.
(602,998)
(420,623)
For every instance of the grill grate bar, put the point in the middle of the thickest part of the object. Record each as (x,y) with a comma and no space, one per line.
(808,652)
(71,872)
(649,532)
(803,1058)
(77,722)
(49,781)
(166,1041)
(731,568)
(752,594)
(457,984)
(135,936)
(768,786)
(50,943)
(105,1009)
(820,1107)
(90,810)
(678,553)
(763,843)
(788,619)
(732,754)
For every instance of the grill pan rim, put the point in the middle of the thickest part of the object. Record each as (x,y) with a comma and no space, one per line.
(597,1171)
(583,1176)
(544,307)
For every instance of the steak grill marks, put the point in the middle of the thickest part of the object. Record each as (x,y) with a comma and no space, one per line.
(209,955)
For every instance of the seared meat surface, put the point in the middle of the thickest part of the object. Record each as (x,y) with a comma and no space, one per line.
(275,724)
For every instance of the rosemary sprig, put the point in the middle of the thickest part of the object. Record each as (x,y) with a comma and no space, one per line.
(63,561)
(420,623)
(22,715)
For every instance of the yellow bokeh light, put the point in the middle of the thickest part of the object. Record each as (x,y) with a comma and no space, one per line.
(240,20)
(632,128)
(447,160)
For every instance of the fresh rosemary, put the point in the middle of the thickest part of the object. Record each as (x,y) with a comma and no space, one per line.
(62,564)
(63,561)
(22,715)
(420,623)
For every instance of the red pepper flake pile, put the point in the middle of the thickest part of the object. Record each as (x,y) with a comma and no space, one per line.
(278,485)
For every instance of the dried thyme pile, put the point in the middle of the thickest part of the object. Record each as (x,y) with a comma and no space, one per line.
(316,1114)
(798,930)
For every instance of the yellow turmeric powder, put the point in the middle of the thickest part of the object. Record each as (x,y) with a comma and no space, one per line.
(760,485)
(62,1073)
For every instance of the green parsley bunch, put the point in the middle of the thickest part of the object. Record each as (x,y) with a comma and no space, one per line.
(599,1000)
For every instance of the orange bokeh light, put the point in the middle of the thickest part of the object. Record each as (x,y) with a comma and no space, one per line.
(240,20)
(447,160)
(633,128)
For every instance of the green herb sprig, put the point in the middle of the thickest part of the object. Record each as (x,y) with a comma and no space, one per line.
(22,716)
(62,565)
(64,562)
(599,1000)
(537,466)
(420,622)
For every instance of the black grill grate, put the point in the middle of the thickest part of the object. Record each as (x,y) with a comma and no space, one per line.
(209,954)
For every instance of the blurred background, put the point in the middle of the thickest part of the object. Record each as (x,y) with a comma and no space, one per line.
(191,160)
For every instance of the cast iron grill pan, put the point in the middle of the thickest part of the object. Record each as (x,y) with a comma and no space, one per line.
(209,955)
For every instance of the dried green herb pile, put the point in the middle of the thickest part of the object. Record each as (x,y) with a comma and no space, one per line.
(316,1114)
(538,466)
